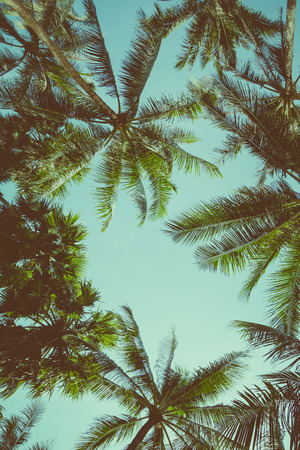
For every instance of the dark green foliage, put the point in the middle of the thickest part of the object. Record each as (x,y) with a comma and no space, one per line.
(49,328)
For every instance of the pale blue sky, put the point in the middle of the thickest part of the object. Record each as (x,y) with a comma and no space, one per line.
(142,266)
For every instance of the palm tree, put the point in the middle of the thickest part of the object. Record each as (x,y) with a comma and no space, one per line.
(257,225)
(16,429)
(140,149)
(216,28)
(170,412)
(49,327)
(267,416)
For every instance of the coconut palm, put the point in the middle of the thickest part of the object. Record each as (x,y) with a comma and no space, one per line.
(49,326)
(172,411)
(267,416)
(216,28)
(140,149)
(16,429)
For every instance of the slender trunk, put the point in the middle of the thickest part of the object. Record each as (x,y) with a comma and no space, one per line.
(28,17)
(290,31)
(140,435)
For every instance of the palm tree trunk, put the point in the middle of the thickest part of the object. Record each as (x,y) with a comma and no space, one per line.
(28,17)
(140,435)
(290,31)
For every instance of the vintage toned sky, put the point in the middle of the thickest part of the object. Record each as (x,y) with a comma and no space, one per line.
(142,266)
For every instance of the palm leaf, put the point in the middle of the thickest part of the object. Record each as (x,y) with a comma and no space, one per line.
(100,64)
(108,180)
(134,355)
(284,346)
(137,66)
(106,430)
(283,298)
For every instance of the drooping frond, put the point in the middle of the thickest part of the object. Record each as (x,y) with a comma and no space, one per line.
(282,346)
(241,228)
(284,292)
(16,429)
(108,180)
(106,430)
(241,111)
(258,419)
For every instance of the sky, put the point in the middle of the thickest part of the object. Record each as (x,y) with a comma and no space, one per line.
(141,266)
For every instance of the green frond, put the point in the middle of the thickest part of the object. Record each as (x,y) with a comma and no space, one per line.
(257,270)
(283,294)
(168,108)
(133,353)
(100,63)
(133,181)
(255,419)
(16,430)
(193,164)
(108,179)
(162,190)
(137,66)
(207,383)
(281,345)
(164,360)
(106,430)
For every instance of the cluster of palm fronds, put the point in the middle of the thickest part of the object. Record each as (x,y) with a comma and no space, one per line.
(54,70)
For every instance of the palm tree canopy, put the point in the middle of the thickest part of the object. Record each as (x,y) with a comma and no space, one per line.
(216,28)
(140,146)
(173,406)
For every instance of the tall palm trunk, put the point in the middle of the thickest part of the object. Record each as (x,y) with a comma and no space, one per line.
(28,17)
(140,435)
(290,31)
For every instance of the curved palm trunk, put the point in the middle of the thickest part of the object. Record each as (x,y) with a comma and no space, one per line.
(290,31)
(28,17)
(140,435)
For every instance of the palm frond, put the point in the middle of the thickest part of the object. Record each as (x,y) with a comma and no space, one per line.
(165,359)
(106,430)
(283,295)
(137,66)
(100,64)
(132,179)
(134,355)
(108,180)
(283,346)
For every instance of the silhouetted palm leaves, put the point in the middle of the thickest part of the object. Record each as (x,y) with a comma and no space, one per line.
(16,429)
(216,28)
(171,409)
(140,147)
